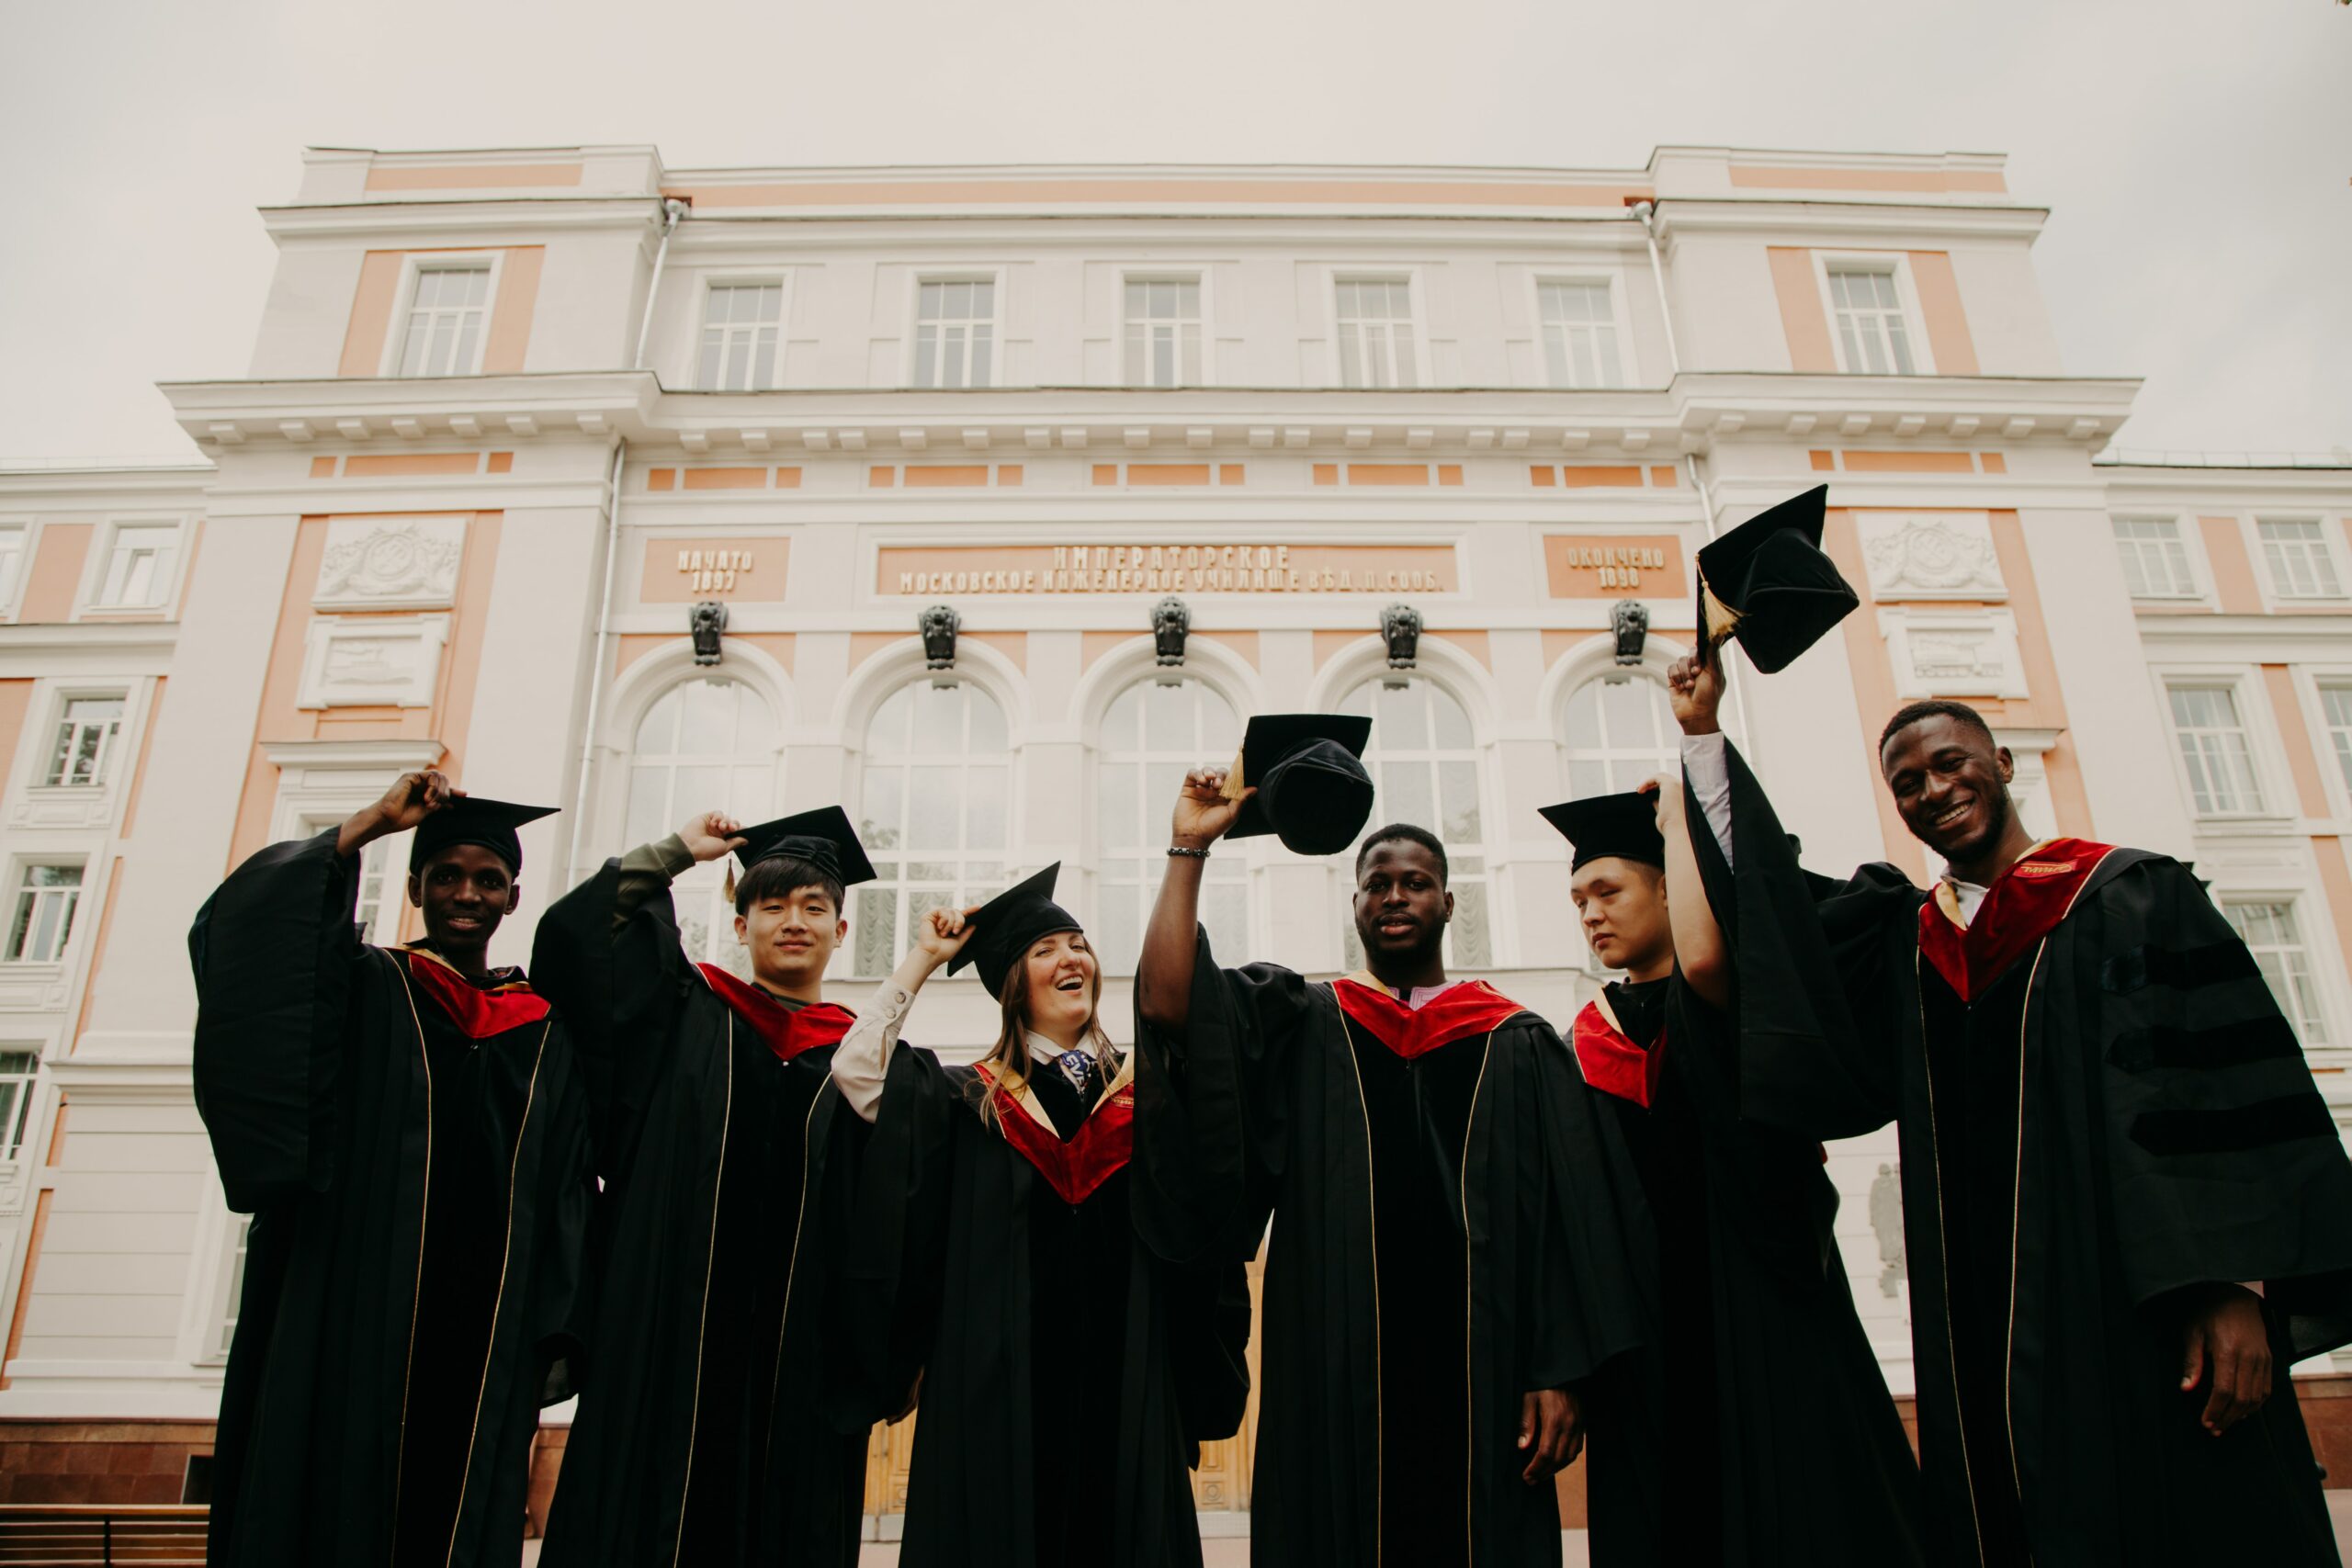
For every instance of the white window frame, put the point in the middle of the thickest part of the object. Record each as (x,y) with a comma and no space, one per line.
(2265,756)
(2312,683)
(1417,300)
(1493,846)
(12,594)
(1628,363)
(17,1140)
(1907,296)
(320,782)
(2331,544)
(101,561)
(85,904)
(2192,546)
(916,278)
(2307,906)
(782,283)
(110,760)
(1240,866)
(1199,276)
(405,302)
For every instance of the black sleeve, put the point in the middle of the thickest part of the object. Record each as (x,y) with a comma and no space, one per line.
(1590,1295)
(1212,1112)
(1208,1332)
(1820,1003)
(893,1273)
(275,950)
(2224,1162)
(621,978)
(562,1324)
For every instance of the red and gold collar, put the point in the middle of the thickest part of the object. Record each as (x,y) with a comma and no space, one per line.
(1612,1062)
(1074,1167)
(2025,903)
(787,1030)
(1471,1008)
(478,1012)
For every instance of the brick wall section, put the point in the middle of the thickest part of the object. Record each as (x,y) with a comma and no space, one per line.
(97,1461)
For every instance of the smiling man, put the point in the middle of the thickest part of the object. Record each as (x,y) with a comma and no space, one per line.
(715,1431)
(1447,1269)
(409,1129)
(2127,1208)
(1761,1433)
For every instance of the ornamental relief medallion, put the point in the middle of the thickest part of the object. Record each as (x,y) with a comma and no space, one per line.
(390,563)
(1939,556)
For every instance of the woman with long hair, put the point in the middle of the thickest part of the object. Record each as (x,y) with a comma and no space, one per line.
(1068,1376)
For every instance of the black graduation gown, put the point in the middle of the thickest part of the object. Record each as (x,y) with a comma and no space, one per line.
(715,1433)
(1068,1375)
(414,1152)
(2114,1113)
(1770,1436)
(1449,1234)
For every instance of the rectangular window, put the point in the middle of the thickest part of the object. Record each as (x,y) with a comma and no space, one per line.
(18,1064)
(739,323)
(47,897)
(2269,933)
(1163,318)
(2335,707)
(240,1229)
(2214,745)
(446,313)
(85,736)
(2155,560)
(12,559)
(956,333)
(1374,319)
(2296,553)
(1579,335)
(139,568)
(1870,321)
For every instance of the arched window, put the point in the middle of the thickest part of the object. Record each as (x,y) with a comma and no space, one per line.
(935,810)
(1152,734)
(1619,730)
(706,745)
(1424,765)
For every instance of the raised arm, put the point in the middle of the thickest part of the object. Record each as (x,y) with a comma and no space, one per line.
(860,1062)
(1164,977)
(1699,951)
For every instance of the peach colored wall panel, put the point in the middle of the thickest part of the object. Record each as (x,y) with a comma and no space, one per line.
(1388,473)
(2225,552)
(2046,707)
(113,896)
(881,475)
(388,464)
(630,647)
(1329,644)
(1600,475)
(500,463)
(511,312)
(726,479)
(2335,878)
(474,177)
(16,701)
(1167,473)
(1585,566)
(1014,646)
(864,646)
(1909,463)
(146,745)
(56,576)
(686,571)
(1243,643)
(2311,791)
(1823,462)
(1476,644)
(660,478)
(371,313)
(1873,688)
(778,646)
(988,570)
(1543,476)
(322,468)
(1939,292)
(1092,646)
(1992,462)
(1009,473)
(1802,317)
(1663,477)
(1106,473)
(1238,473)
(921,476)
(1447,474)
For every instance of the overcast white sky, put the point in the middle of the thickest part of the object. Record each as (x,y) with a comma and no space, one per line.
(2195,155)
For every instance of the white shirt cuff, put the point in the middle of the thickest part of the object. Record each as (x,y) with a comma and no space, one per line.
(1708,769)
(862,1061)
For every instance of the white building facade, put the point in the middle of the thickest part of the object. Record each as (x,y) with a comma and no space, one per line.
(514,418)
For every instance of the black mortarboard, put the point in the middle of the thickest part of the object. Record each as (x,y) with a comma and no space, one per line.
(1308,771)
(1003,928)
(1768,583)
(823,838)
(470,820)
(1600,826)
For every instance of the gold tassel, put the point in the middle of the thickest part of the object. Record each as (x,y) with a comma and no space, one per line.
(1233,782)
(1723,621)
(730,880)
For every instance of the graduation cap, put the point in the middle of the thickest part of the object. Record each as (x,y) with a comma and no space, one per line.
(1768,583)
(1308,771)
(1600,826)
(470,820)
(1003,928)
(822,838)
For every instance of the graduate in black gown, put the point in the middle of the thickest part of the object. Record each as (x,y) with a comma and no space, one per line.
(2127,1209)
(716,1432)
(410,1131)
(1766,1436)
(1450,1261)
(1068,1376)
